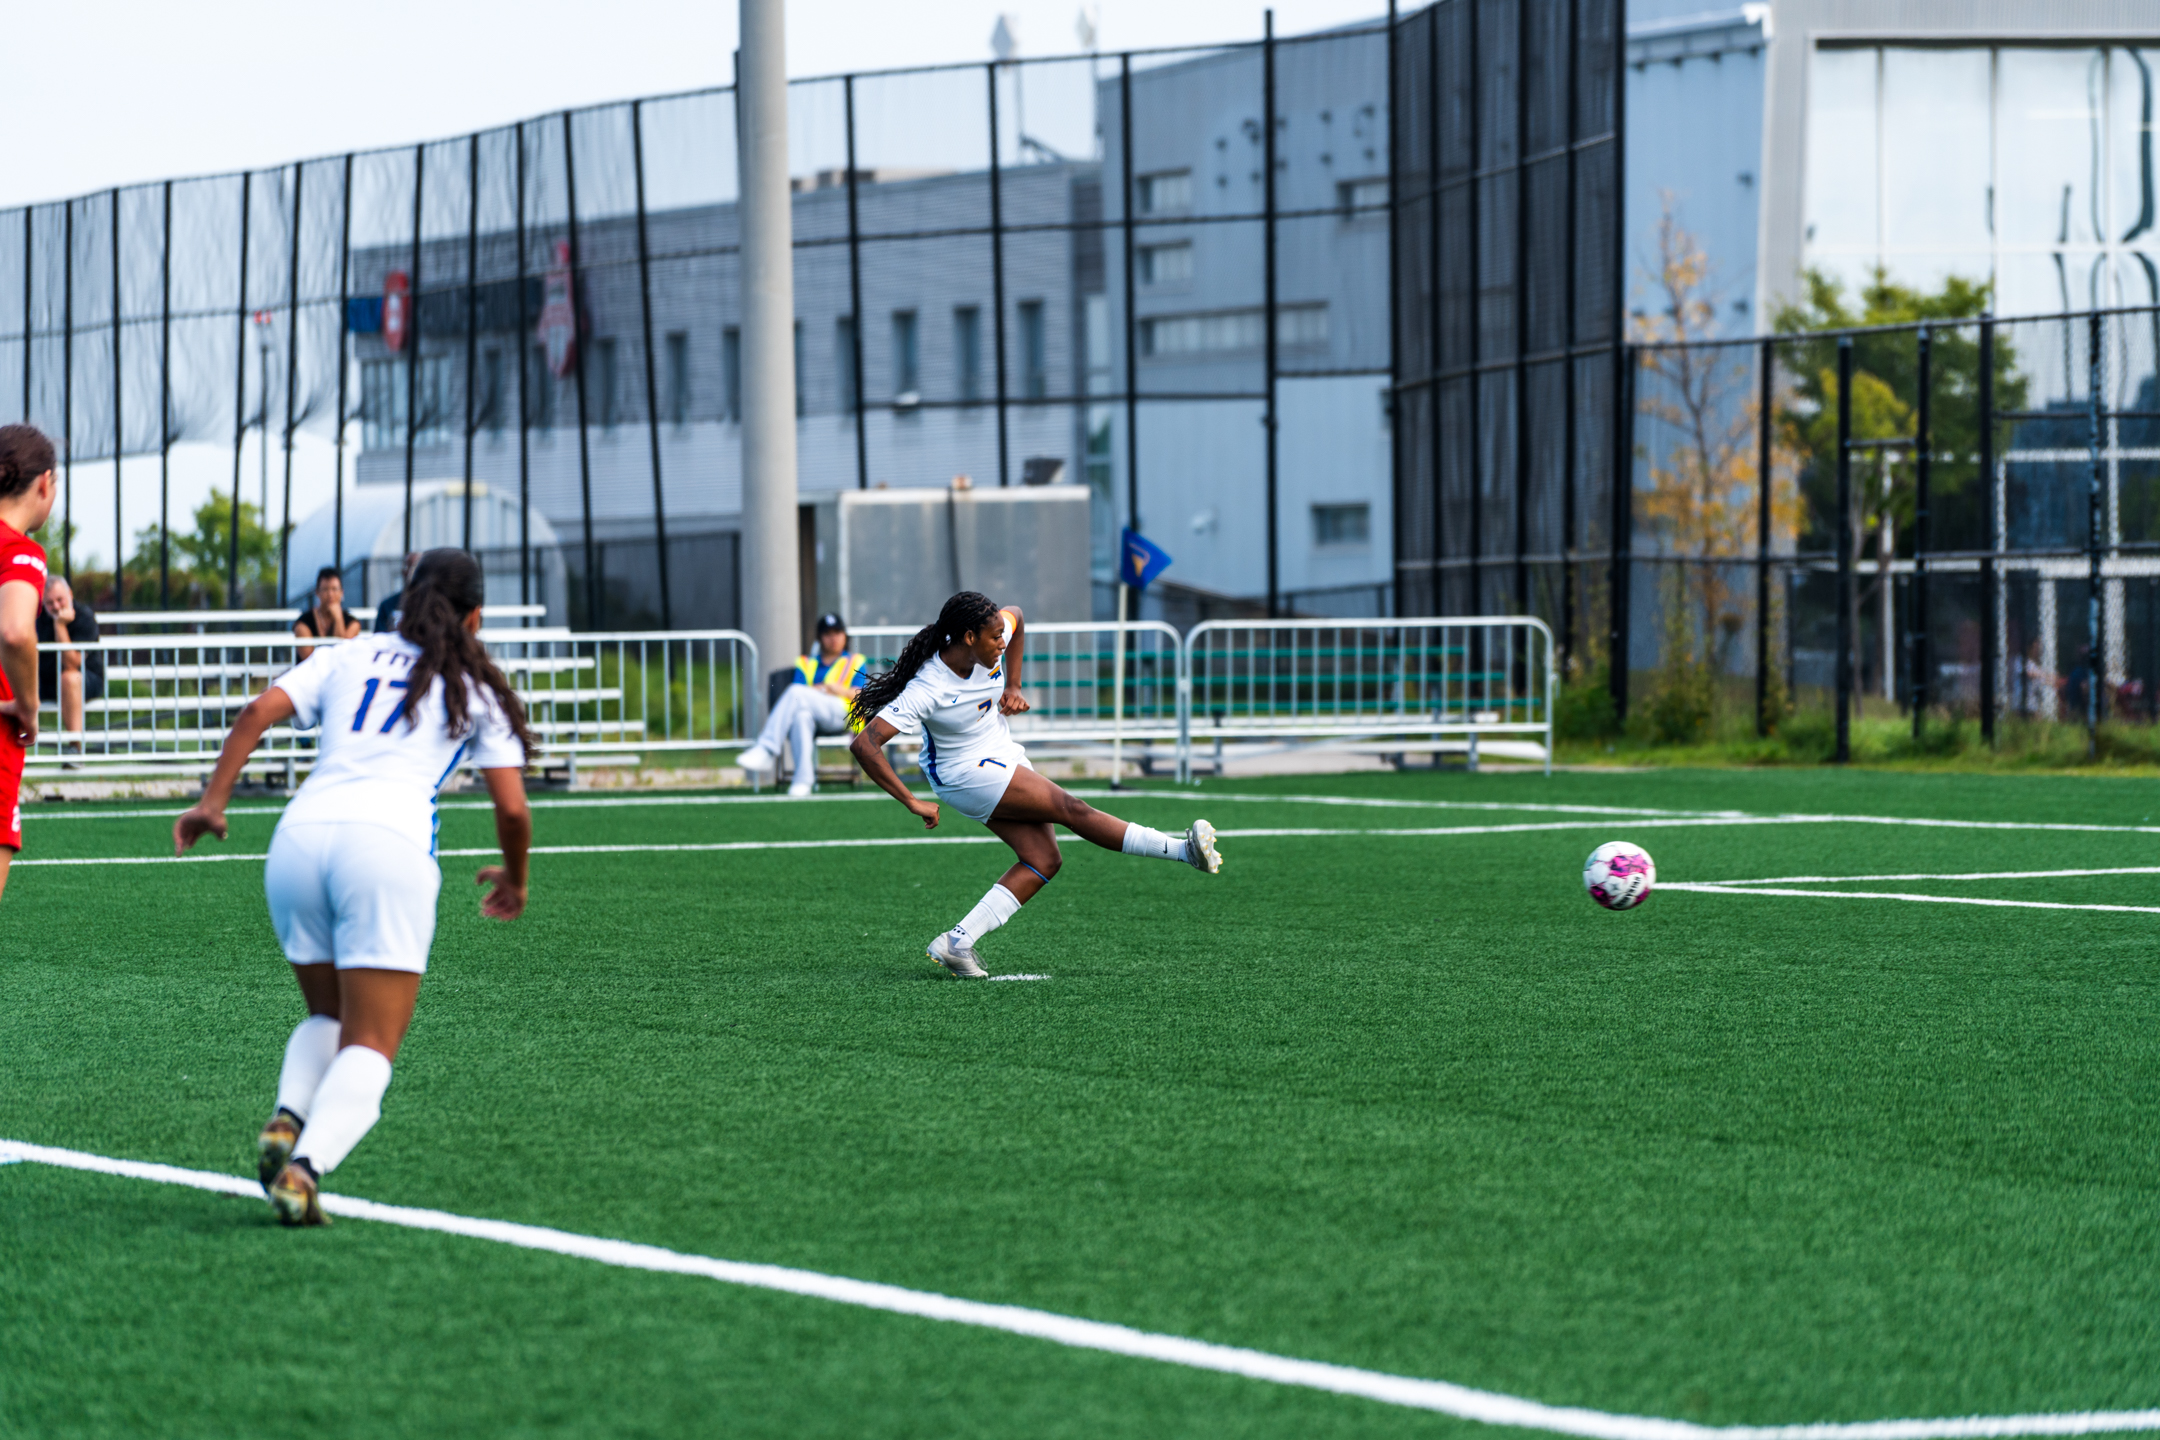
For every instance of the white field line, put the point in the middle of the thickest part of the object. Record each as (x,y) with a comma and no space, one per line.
(1019,977)
(1902,895)
(1960,875)
(1485,1406)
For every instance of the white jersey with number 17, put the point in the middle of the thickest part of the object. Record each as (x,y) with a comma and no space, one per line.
(372,768)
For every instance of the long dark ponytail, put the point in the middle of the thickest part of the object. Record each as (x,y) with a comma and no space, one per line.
(966,611)
(447,586)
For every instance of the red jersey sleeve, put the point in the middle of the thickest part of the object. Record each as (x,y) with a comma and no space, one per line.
(22,560)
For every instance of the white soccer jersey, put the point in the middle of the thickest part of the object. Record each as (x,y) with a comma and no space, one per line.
(371,767)
(960,722)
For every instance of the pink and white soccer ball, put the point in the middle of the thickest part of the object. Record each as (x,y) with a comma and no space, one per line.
(1619,875)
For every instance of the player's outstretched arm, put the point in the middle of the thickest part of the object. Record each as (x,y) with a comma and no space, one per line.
(207,815)
(869,751)
(1012,702)
(513,832)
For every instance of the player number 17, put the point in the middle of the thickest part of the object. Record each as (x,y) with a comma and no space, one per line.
(367,699)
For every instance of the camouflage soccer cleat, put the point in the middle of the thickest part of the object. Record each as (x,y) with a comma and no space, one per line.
(960,959)
(1200,851)
(275,1145)
(294,1195)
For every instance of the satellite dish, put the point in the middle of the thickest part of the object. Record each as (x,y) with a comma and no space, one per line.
(1005,39)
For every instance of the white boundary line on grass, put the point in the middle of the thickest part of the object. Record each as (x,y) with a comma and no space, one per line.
(1960,875)
(1988,900)
(1485,1406)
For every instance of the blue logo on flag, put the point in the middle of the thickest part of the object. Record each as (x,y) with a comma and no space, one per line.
(1140,560)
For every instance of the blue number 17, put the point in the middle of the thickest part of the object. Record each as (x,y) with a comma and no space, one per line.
(367,699)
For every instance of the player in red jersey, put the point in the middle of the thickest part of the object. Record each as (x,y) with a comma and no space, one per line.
(27,488)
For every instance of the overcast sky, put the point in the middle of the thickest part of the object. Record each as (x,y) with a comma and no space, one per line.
(105,92)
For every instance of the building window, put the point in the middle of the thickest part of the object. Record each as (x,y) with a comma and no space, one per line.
(382,405)
(1342,526)
(844,361)
(802,398)
(731,371)
(1166,264)
(967,351)
(1228,332)
(604,380)
(491,389)
(1361,197)
(1034,357)
(678,377)
(1168,192)
(540,390)
(906,358)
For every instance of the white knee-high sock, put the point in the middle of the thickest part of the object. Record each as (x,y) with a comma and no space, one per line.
(314,1044)
(1139,840)
(993,910)
(347,1105)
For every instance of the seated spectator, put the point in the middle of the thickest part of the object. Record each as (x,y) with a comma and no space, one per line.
(814,702)
(73,675)
(327,617)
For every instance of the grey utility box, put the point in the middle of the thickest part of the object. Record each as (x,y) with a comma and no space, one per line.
(902,552)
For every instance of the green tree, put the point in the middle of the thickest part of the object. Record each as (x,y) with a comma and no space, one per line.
(201,558)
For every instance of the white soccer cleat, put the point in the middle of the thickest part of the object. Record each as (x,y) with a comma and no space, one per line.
(960,959)
(1200,851)
(800,788)
(758,760)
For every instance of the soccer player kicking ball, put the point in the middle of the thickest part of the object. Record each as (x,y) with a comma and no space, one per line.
(351,877)
(958,680)
(26,502)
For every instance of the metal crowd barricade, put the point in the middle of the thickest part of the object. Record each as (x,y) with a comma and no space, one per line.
(1069,670)
(168,700)
(1376,685)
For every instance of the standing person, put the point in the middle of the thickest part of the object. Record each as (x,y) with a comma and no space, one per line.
(959,679)
(393,604)
(73,675)
(27,491)
(351,876)
(815,700)
(327,617)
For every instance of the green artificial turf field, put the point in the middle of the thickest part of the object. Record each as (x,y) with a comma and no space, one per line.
(1409,1103)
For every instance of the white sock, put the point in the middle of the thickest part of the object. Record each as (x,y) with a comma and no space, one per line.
(347,1105)
(1139,840)
(993,910)
(308,1054)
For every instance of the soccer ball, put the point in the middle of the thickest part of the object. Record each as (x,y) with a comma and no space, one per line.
(1619,875)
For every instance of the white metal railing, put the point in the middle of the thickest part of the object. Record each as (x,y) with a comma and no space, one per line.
(1382,685)
(168,700)
(281,619)
(1443,683)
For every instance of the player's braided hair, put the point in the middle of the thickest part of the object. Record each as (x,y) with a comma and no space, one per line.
(25,454)
(447,586)
(966,611)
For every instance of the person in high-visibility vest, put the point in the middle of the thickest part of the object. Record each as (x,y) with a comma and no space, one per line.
(816,701)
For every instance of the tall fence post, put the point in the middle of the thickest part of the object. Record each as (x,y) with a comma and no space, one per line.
(997,274)
(1270,346)
(292,387)
(472,316)
(1394,310)
(1990,578)
(2095,522)
(853,358)
(523,353)
(1472,371)
(412,339)
(232,562)
(1570,481)
(577,371)
(652,390)
(1625,364)
(119,440)
(29,243)
(1132,325)
(1844,549)
(164,528)
(344,284)
(67,391)
(1766,383)
(1520,268)
(1917,662)
(1435,288)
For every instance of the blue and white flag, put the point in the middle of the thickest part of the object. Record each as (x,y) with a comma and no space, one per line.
(1140,559)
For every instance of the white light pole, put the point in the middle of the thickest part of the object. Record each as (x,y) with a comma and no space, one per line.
(771,578)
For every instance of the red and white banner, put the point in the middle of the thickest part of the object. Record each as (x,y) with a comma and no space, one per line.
(396,309)
(558,313)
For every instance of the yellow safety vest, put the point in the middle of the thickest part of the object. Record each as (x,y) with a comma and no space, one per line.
(843,673)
